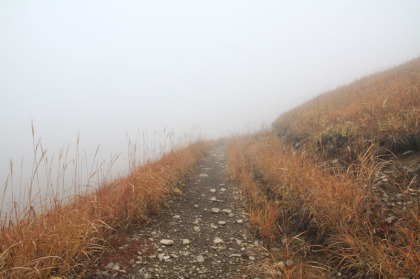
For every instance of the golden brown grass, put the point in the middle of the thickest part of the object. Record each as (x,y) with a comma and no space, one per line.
(60,240)
(310,180)
(290,195)
(383,109)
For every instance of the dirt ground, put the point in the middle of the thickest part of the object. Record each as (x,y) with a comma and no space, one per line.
(203,232)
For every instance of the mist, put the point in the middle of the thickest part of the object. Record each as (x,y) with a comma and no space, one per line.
(104,69)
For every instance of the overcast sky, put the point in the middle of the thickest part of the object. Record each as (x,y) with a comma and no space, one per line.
(104,68)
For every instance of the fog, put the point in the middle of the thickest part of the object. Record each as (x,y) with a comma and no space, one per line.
(102,69)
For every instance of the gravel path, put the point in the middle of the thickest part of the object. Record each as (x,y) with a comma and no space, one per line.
(203,233)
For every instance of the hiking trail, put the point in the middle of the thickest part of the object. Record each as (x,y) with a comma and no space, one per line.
(203,232)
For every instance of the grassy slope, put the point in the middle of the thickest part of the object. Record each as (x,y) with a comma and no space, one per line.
(312,183)
(60,240)
(382,108)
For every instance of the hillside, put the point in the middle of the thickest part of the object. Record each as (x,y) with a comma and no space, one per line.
(382,109)
(334,187)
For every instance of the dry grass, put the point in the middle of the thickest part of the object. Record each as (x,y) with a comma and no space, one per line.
(382,109)
(311,180)
(289,195)
(59,240)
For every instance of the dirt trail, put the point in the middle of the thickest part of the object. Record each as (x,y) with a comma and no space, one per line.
(203,233)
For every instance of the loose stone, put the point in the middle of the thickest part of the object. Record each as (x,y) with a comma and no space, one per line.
(167,242)
(218,240)
(116,267)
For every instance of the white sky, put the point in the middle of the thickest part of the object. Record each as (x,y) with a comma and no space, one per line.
(104,68)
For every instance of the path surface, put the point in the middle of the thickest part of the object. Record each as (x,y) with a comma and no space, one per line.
(203,233)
